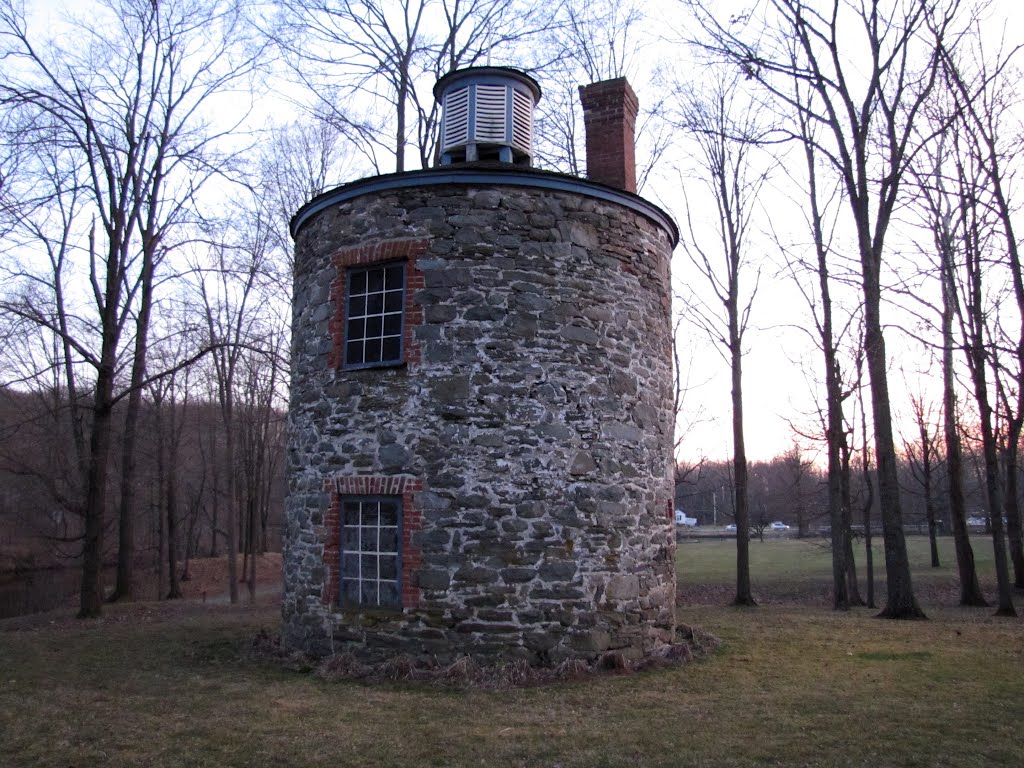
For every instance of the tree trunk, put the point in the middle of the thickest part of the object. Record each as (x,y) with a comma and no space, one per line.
(214,519)
(252,553)
(970,589)
(838,511)
(1013,527)
(869,502)
(869,558)
(835,437)
(929,505)
(174,590)
(744,596)
(232,499)
(171,496)
(125,584)
(992,486)
(91,595)
(161,554)
(401,98)
(124,588)
(846,508)
(900,600)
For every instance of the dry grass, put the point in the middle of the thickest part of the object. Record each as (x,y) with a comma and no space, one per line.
(791,685)
(789,570)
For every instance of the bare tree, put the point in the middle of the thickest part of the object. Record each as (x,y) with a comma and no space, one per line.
(867,100)
(970,589)
(822,197)
(297,162)
(686,418)
(868,498)
(726,135)
(124,102)
(941,210)
(170,399)
(985,100)
(352,55)
(974,232)
(922,456)
(233,295)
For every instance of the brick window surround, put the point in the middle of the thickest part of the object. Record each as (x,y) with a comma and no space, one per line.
(373,485)
(407,251)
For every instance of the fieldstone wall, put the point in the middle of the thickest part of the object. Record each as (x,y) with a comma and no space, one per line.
(530,433)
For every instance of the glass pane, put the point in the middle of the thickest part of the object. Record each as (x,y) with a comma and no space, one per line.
(374,327)
(350,538)
(392,325)
(358,281)
(372,352)
(388,540)
(389,512)
(354,353)
(394,276)
(393,301)
(389,594)
(375,280)
(375,304)
(392,349)
(389,568)
(356,329)
(357,306)
(350,512)
(368,593)
(369,565)
(350,591)
(350,566)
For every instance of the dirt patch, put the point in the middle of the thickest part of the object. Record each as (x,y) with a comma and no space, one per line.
(208,578)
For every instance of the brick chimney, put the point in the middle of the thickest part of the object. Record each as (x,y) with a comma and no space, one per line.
(609,112)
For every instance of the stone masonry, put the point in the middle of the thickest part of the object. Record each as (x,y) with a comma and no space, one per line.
(528,431)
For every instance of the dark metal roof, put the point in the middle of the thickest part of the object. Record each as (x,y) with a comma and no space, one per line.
(477,73)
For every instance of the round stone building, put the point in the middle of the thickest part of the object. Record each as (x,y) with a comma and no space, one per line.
(481,419)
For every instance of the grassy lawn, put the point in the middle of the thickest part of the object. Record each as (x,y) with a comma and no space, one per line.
(791,685)
(789,559)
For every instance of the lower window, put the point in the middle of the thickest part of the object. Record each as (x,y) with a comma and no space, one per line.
(370,550)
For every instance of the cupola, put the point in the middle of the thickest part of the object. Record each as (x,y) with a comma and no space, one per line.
(487,114)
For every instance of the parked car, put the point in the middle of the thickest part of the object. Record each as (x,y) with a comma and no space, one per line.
(731,527)
(778,525)
(978,522)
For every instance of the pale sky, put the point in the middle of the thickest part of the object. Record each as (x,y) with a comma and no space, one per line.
(781,362)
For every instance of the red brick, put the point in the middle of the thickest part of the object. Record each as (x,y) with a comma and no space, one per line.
(609,114)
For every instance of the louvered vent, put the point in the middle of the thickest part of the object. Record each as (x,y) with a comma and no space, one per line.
(487,114)
(491,125)
(456,117)
(522,121)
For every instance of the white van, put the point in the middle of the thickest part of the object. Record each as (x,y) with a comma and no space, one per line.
(682,519)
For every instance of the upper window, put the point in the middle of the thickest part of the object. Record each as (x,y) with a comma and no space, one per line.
(373,328)
(370,550)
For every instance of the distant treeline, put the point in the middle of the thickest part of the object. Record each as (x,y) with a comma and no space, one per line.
(793,489)
(180,481)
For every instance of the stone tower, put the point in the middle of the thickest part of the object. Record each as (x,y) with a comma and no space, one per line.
(481,418)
